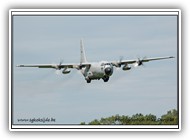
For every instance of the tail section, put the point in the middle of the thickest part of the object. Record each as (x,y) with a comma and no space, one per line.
(82,53)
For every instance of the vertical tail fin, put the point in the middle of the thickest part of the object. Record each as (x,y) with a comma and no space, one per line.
(82,53)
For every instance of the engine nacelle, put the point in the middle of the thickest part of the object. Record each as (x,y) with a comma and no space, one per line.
(66,71)
(126,67)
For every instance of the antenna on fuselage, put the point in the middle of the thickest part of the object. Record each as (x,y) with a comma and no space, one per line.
(82,53)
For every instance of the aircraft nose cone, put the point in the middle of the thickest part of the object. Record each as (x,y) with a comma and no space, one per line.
(108,71)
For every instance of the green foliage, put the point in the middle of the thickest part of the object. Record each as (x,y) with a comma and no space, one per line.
(171,118)
(95,122)
(82,123)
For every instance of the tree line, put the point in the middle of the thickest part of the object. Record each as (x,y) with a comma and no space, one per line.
(170,118)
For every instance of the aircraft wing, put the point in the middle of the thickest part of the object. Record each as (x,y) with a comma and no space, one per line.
(57,66)
(138,61)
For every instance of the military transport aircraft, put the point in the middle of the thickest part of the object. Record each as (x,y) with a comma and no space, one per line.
(95,70)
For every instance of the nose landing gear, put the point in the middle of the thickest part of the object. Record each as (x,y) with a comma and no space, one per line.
(88,80)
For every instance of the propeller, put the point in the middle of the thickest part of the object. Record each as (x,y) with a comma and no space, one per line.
(58,72)
(58,67)
(120,60)
(118,63)
(139,62)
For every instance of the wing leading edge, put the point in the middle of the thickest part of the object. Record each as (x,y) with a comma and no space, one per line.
(56,66)
(126,62)
(79,66)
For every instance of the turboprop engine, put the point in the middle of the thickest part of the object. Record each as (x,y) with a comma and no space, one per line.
(66,71)
(126,67)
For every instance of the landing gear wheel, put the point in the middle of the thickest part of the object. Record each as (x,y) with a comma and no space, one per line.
(88,80)
(105,79)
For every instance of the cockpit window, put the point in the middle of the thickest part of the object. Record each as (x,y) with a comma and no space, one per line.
(105,64)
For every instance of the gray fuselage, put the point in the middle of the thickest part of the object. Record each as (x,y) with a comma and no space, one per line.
(98,70)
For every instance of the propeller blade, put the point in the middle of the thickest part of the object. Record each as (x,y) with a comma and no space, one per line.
(57,72)
(120,60)
(60,63)
(139,62)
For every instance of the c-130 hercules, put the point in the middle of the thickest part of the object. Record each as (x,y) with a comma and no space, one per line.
(95,70)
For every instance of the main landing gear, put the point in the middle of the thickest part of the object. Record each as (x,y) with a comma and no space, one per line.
(88,80)
(105,79)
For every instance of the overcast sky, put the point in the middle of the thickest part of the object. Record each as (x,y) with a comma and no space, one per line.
(39,93)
